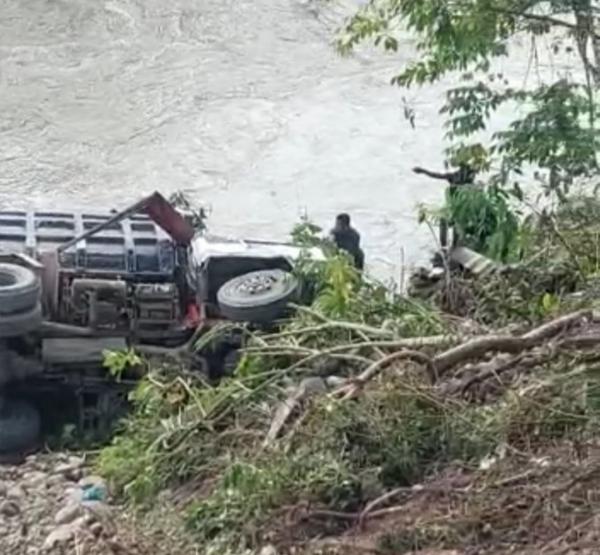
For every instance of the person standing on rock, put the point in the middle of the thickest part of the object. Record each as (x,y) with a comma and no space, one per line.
(464,175)
(347,239)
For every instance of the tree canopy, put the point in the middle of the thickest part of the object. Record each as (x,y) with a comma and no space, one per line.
(557,133)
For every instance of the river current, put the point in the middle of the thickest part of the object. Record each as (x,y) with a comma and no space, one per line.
(242,104)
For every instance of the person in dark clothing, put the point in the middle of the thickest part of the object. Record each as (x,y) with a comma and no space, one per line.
(347,239)
(464,175)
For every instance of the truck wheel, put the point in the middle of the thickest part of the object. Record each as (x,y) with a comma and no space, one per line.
(19,426)
(19,289)
(259,297)
(13,325)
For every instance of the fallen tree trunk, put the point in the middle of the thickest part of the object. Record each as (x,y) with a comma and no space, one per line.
(480,346)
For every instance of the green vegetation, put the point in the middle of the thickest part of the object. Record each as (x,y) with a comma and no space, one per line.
(556,133)
(250,476)
(483,218)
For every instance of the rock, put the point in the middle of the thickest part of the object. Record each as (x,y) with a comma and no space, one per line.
(35,478)
(115,546)
(59,537)
(268,550)
(335,381)
(309,386)
(69,513)
(76,462)
(88,519)
(24,529)
(101,513)
(16,492)
(74,494)
(62,535)
(99,510)
(96,528)
(54,481)
(9,509)
(62,468)
(72,472)
(31,461)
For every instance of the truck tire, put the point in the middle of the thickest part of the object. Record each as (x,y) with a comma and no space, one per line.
(259,297)
(19,289)
(19,426)
(13,325)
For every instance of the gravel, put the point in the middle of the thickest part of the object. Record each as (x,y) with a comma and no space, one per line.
(42,511)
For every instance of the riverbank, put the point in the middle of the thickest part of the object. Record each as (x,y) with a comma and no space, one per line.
(461,420)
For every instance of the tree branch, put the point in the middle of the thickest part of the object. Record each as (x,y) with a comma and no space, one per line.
(506,343)
(540,19)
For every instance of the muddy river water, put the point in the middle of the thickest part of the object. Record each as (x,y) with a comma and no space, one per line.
(243,104)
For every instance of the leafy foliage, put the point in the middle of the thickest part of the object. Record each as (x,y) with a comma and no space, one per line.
(118,362)
(554,136)
(482,218)
(307,234)
(558,133)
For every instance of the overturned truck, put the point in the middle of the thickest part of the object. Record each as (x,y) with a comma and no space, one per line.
(76,285)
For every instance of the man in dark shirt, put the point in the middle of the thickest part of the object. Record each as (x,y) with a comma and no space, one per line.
(346,238)
(464,175)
